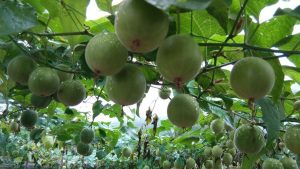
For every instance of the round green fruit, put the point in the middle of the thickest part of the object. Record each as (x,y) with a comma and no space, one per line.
(62,74)
(229,144)
(19,69)
(146,167)
(232,151)
(126,152)
(83,149)
(178,164)
(183,111)
(40,101)
(43,81)
(14,126)
(227,159)
(105,55)
(48,141)
(29,118)
(126,87)
(252,78)
(166,164)
(272,163)
(289,163)
(247,135)
(207,152)
(179,59)
(140,26)
(208,164)
(217,151)
(297,105)
(87,135)
(190,163)
(217,164)
(291,139)
(217,126)
(71,92)
(164,93)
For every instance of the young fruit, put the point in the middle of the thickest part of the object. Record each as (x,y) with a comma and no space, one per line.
(63,76)
(217,164)
(43,81)
(164,93)
(252,78)
(217,126)
(14,127)
(29,118)
(190,163)
(297,105)
(87,135)
(229,144)
(83,149)
(232,151)
(166,164)
(291,139)
(39,101)
(105,55)
(179,163)
(126,87)
(207,152)
(19,69)
(126,152)
(208,164)
(217,151)
(183,111)
(140,26)
(146,167)
(227,159)
(71,92)
(247,135)
(48,141)
(272,163)
(289,163)
(179,59)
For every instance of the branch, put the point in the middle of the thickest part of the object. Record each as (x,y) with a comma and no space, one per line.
(85,32)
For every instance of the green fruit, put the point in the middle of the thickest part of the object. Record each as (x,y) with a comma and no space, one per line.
(227,159)
(217,126)
(39,101)
(217,151)
(179,59)
(229,144)
(208,164)
(126,152)
(297,105)
(146,167)
(289,163)
(217,164)
(43,81)
(126,87)
(90,151)
(71,92)
(291,139)
(166,164)
(105,55)
(83,149)
(247,135)
(207,152)
(63,76)
(178,164)
(252,78)
(272,163)
(183,111)
(87,135)
(14,127)
(140,26)
(48,141)
(164,93)
(190,163)
(19,69)
(232,151)
(29,118)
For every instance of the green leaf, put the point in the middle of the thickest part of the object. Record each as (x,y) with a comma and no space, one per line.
(292,72)
(150,73)
(105,5)
(97,108)
(219,9)
(15,17)
(186,4)
(189,137)
(272,116)
(279,79)
(294,13)
(255,7)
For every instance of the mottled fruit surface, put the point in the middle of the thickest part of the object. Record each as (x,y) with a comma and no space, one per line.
(292,139)
(217,126)
(40,101)
(29,118)
(87,135)
(71,92)
(272,163)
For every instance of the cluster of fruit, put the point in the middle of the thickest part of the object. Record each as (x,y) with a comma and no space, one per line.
(86,137)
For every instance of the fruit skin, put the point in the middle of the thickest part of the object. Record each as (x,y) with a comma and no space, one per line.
(217,126)
(83,149)
(227,159)
(229,144)
(217,164)
(297,105)
(247,135)
(14,126)
(217,151)
(29,118)
(232,151)
(48,141)
(190,163)
(164,93)
(179,59)
(207,152)
(272,163)
(140,26)
(43,81)
(126,87)
(87,135)
(71,92)
(126,152)
(166,164)
(39,101)
(146,167)
(63,76)
(252,78)
(208,164)
(19,69)
(291,139)
(289,163)
(183,111)
(105,55)
(178,164)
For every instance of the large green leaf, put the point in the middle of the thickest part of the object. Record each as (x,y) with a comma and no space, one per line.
(294,13)
(220,10)
(15,17)
(279,79)
(292,72)
(186,4)
(255,7)
(105,5)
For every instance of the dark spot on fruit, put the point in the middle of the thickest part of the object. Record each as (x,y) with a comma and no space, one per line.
(178,82)
(135,44)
